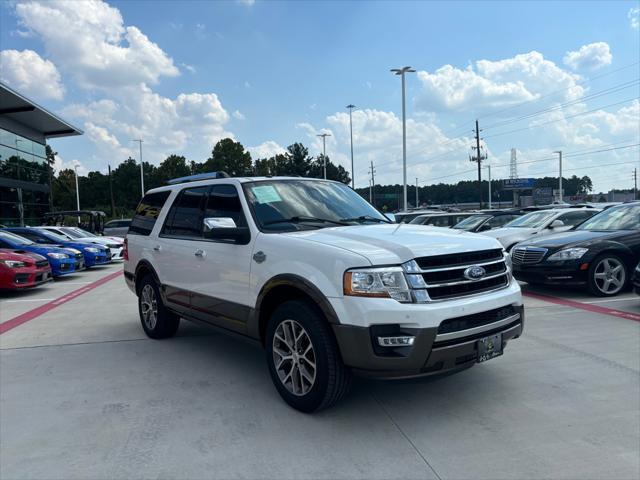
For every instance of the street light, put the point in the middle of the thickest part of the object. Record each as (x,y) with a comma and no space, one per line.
(141,168)
(353,180)
(559,152)
(324,151)
(401,72)
(489,169)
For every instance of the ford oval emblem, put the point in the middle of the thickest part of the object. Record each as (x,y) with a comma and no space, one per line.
(475,272)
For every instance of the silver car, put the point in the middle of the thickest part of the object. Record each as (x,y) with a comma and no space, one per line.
(117,228)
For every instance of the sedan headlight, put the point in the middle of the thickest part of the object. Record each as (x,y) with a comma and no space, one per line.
(74,250)
(386,282)
(13,263)
(57,256)
(91,250)
(568,254)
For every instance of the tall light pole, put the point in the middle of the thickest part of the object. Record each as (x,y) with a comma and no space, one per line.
(416,192)
(141,167)
(559,152)
(353,180)
(324,152)
(489,169)
(75,168)
(401,72)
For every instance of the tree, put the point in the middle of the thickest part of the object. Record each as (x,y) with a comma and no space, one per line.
(298,160)
(230,157)
(334,172)
(174,166)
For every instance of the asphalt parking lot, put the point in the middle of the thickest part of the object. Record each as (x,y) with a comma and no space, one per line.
(84,394)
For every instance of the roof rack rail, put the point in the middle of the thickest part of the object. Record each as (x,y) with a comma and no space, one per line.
(197,177)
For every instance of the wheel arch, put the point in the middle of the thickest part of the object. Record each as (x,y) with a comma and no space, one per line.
(280,289)
(144,268)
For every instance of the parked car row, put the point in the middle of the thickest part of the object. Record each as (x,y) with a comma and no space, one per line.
(30,256)
(573,246)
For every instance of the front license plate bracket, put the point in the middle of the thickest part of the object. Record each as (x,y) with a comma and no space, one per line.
(489,347)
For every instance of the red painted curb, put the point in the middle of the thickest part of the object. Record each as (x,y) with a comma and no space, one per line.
(585,306)
(36,312)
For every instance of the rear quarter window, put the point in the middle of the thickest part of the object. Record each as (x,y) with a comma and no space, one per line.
(147,213)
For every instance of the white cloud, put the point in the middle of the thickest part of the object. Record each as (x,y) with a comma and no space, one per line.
(248,3)
(90,41)
(493,84)
(247,84)
(30,74)
(266,149)
(237,114)
(589,57)
(634,17)
(189,68)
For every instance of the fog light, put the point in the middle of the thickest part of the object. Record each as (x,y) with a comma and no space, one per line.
(396,341)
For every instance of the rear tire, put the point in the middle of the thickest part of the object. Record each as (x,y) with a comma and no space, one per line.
(607,275)
(157,321)
(303,358)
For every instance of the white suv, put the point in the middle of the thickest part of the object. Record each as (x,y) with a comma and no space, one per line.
(321,279)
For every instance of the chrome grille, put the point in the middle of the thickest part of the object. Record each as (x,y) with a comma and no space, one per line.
(444,275)
(527,255)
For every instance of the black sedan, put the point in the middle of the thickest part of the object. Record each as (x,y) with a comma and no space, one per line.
(600,253)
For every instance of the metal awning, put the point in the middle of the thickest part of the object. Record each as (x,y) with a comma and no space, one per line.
(22,110)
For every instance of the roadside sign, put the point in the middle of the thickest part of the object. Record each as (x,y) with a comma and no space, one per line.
(517,183)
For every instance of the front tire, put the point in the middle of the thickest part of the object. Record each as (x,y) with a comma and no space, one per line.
(157,321)
(303,358)
(607,275)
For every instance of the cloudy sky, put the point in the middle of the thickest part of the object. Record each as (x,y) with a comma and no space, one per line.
(539,76)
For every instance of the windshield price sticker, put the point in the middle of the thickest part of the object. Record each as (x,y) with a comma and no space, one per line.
(266,194)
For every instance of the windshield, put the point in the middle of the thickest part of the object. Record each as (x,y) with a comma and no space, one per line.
(531,220)
(53,236)
(75,232)
(472,222)
(625,217)
(311,203)
(15,239)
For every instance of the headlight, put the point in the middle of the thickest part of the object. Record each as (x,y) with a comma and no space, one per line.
(508,261)
(377,282)
(58,256)
(91,250)
(13,263)
(74,250)
(568,254)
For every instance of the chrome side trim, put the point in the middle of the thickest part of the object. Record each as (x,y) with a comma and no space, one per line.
(472,331)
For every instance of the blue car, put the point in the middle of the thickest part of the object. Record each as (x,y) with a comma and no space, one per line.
(62,260)
(93,254)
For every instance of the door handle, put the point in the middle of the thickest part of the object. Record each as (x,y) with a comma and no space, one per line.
(199,253)
(157,248)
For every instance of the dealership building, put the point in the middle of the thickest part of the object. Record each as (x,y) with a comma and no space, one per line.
(25,175)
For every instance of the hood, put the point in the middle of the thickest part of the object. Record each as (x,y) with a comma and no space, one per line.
(388,244)
(509,232)
(574,238)
(20,255)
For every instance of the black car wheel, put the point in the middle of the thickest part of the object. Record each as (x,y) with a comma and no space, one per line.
(303,358)
(607,275)
(157,321)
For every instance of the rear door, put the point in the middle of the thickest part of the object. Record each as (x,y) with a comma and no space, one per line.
(220,277)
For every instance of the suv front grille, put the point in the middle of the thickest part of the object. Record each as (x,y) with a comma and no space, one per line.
(527,255)
(445,279)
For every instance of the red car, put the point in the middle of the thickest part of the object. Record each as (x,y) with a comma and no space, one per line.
(20,270)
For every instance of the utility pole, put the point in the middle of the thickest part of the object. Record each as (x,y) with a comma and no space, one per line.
(75,168)
(478,158)
(401,72)
(324,152)
(353,180)
(559,152)
(489,168)
(113,203)
(416,192)
(141,167)
(372,192)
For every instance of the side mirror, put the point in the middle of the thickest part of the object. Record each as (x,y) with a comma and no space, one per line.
(224,228)
(556,223)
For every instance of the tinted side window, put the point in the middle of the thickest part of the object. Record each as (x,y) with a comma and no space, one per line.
(574,218)
(31,236)
(185,217)
(500,220)
(147,213)
(224,201)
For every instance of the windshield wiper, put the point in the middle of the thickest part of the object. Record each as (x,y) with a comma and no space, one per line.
(302,218)
(363,218)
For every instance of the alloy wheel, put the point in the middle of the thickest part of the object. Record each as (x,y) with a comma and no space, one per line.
(609,276)
(149,306)
(294,357)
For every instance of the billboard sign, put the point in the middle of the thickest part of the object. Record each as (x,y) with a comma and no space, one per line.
(517,183)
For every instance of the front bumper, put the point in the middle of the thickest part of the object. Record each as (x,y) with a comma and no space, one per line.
(27,277)
(567,272)
(427,356)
